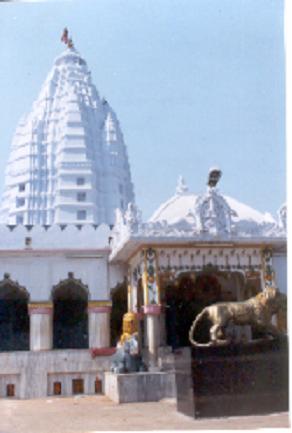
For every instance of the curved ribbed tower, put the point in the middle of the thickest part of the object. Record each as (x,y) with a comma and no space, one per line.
(68,161)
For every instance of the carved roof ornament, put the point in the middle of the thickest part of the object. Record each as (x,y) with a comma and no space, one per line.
(181,187)
(214,177)
(282,214)
(212,213)
(133,217)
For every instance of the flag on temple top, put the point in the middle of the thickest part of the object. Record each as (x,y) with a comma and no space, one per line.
(64,37)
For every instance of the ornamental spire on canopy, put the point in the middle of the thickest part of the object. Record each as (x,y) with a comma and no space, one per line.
(214,176)
(181,187)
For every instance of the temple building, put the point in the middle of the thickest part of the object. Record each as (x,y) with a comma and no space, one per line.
(75,253)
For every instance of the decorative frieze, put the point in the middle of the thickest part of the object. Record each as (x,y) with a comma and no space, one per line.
(99,306)
(154,310)
(40,308)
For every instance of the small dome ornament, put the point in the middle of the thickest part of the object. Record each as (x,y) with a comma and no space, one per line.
(282,215)
(212,212)
(214,176)
(181,187)
(133,217)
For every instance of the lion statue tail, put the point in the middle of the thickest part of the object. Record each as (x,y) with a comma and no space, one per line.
(203,313)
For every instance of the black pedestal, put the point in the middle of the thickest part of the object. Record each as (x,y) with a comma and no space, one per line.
(233,380)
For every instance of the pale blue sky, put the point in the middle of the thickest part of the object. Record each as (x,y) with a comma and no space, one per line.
(195,83)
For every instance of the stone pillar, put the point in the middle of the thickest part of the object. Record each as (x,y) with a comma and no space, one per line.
(41,326)
(99,323)
(152,307)
(152,313)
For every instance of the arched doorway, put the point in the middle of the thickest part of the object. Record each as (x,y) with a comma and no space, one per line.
(119,308)
(70,322)
(14,318)
(184,300)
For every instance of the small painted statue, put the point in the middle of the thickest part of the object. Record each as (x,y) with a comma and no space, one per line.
(127,358)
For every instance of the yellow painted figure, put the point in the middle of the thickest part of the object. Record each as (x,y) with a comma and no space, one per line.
(130,326)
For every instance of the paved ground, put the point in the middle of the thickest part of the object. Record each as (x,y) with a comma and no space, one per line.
(95,413)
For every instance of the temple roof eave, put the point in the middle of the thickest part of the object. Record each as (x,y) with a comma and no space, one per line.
(134,244)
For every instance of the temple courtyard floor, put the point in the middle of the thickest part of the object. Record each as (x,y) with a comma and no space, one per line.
(84,414)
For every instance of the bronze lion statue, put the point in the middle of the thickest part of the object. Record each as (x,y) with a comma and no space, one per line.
(256,311)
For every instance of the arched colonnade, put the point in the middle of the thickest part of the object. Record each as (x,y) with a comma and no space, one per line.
(69,320)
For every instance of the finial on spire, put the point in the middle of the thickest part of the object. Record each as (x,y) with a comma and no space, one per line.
(214,176)
(65,38)
(70,43)
(181,186)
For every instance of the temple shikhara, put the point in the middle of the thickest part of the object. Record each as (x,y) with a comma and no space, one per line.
(76,254)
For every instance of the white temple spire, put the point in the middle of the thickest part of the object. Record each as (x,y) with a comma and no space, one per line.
(68,160)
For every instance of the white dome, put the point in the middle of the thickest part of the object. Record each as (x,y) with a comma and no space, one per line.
(179,210)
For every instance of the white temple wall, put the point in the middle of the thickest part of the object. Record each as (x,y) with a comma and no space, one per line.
(40,274)
(280,268)
(54,237)
(117,274)
(39,259)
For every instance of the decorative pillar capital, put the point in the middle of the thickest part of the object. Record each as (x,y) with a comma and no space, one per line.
(151,277)
(268,271)
(153,309)
(99,306)
(40,308)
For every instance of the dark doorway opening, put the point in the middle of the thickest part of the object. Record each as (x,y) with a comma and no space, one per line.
(184,300)
(14,318)
(57,388)
(119,308)
(10,390)
(98,386)
(70,323)
(77,386)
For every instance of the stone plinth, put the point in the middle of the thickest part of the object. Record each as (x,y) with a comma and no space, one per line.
(233,380)
(139,387)
(33,374)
